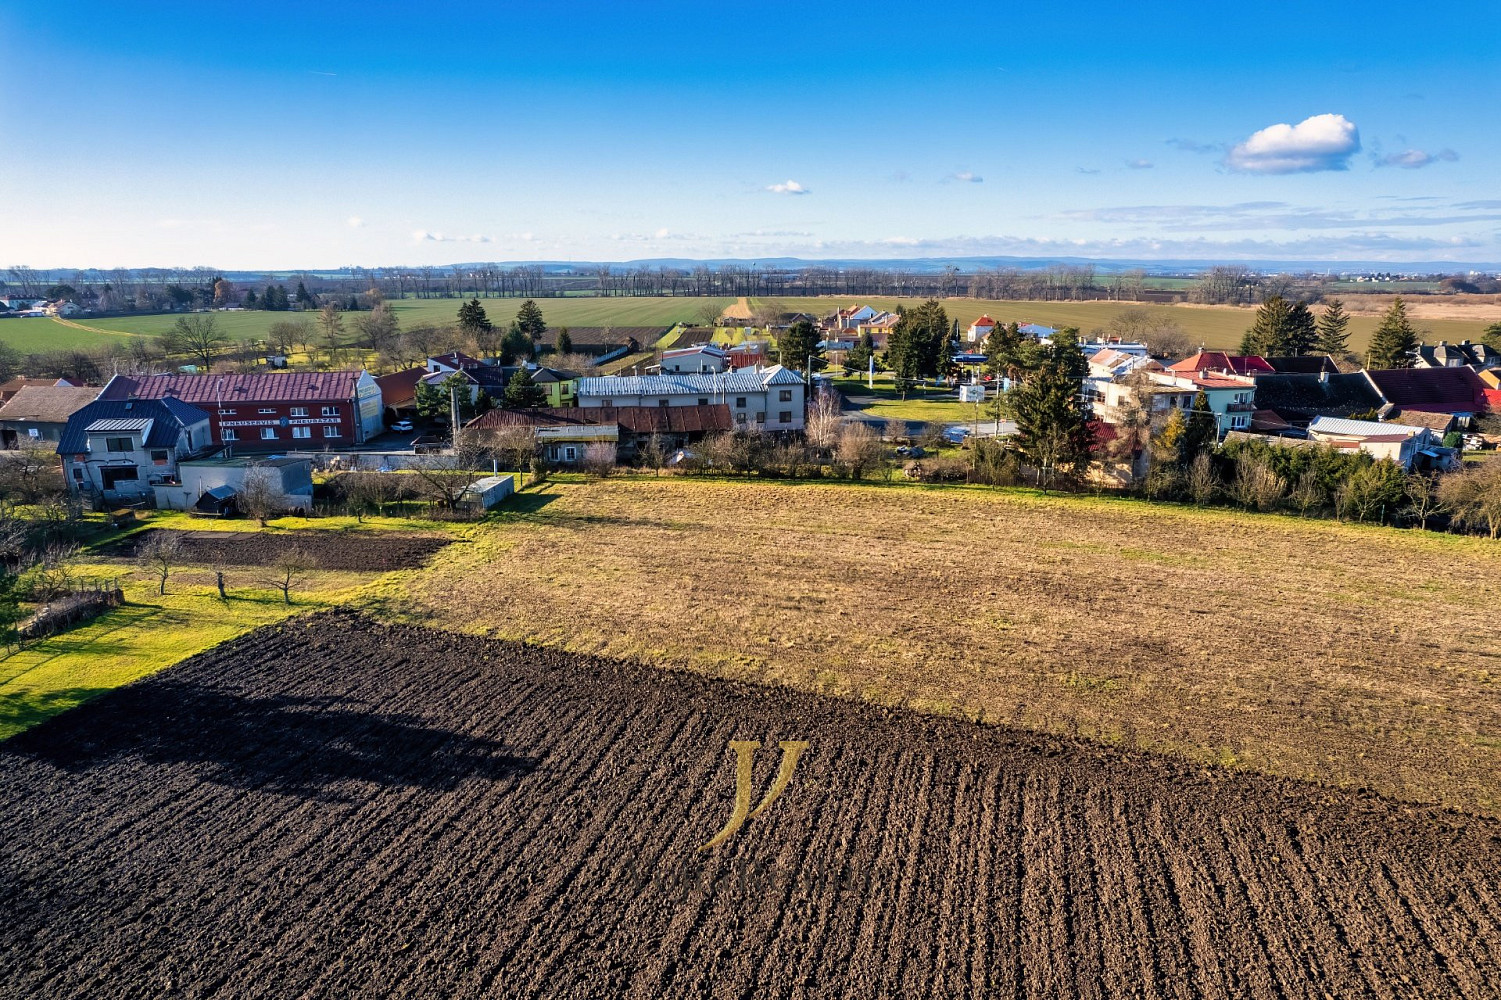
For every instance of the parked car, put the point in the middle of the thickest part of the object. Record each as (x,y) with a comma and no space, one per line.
(402,426)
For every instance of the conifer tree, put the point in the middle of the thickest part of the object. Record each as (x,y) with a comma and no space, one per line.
(1302,331)
(522,392)
(529,320)
(1334,335)
(1052,421)
(1394,340)
(1270,333)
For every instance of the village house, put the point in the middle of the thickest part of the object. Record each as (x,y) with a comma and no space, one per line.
(698,359)
(117,449)
(1410,447)
(1292,400)
(559,385)
(565,433)
(1111,363)
(271,411)
(1455,390)
(1218,362)
(979,330)
(39,414)
(1447,355)
(210,485)
(15,385)
(769,398)
(1230,397)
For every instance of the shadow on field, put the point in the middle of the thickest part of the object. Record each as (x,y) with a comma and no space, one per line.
(315,747)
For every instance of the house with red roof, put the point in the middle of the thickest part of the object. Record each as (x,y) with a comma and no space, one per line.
(980,329)
(1459,391)
(1224,364)
(270,411)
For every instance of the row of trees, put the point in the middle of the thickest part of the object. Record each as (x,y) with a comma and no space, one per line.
(1284,328)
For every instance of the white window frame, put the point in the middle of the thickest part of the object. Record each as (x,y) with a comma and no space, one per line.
(269,434)
(331,431)
(302,432)
(330,411)
(299,411)
(230,434)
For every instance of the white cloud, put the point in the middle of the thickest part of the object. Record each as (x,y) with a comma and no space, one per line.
(355,222)
(1322,142)
(966,177)
(423,236)
(1412,159)
(1140,164)
(787,187)
(662,234)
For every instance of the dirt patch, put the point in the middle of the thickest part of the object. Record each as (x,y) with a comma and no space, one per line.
(355,551)
(331,808)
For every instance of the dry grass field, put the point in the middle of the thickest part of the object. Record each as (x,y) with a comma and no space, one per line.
(1350,655)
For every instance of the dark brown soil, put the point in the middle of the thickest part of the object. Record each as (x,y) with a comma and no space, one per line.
(377,551)
(332,808)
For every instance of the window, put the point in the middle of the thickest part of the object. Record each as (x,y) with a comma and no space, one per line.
(226,413)
(330,411)
(661,402)
(607,402)
(78,473)
(332,432)
(302,432)
(158,456)
(268,433)
(230,434)
(299,411)
(267,409)
(703,401)
(739,418)
(33,432)
(784,396)
(118,444)
(785,417)
(740,402)
(109,477)
(570,454)
(761,417)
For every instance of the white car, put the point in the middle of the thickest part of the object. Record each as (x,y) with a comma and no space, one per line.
(402,426)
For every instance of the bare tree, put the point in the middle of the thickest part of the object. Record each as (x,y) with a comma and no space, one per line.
(654,453)
(858,450)
(1202,481)
(1424,498)
(823,422)
(161,552)
(292,567)
(197,337)
(1474,496)
(259,495)
(443,479)
(1257,485)
(599,458)
(710,311)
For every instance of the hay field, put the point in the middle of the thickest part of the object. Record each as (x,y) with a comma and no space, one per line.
(1350,655)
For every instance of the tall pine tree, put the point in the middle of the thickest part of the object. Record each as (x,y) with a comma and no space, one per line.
(522,392)
(1271,332)
(799,347)
(1052,421)
(1334,335)
(1394,340)
(472,319)
(1302,330)
(529,320)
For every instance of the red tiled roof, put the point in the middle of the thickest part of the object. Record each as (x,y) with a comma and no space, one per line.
(400,388)
(983,321)
(1443,390)
(1219,361)
(266,386)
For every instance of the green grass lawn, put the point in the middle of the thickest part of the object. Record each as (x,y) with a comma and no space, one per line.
(148,633)
(39,335)
(922,403)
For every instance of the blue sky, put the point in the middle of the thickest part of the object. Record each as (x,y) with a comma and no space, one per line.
(327,134)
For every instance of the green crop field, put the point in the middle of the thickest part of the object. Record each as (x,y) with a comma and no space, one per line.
(38,335)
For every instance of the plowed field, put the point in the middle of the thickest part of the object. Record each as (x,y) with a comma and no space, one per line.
(373,551)
(332,808)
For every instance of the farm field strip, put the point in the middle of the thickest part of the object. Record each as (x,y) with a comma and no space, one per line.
(457,816)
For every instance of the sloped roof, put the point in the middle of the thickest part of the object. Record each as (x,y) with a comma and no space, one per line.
(1300,397)
(1219,361)
(1438,422)
(634,419)
(292,387)
(1304,364)
(167,417)
(1366,429)
(627,386)
(1451,390)
(47,404)
(15,385)
(984,320)
(399,388)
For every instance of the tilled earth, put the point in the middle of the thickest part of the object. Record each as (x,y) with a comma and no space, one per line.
(376,551)
(335,808)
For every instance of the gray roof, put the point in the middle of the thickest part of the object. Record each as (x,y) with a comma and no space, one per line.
(118,424)
(47,404)
(167,418)
(625,386)
(1359,428)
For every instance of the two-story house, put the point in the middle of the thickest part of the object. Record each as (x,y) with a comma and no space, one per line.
(771,399)
(119,448)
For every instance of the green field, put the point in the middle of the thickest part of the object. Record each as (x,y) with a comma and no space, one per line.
(1218,327)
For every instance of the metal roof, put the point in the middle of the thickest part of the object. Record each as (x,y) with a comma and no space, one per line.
(166,419)
(1360,428)
(118,424)
(625,386)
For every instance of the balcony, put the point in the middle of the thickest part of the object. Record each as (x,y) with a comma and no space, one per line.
(1240,408)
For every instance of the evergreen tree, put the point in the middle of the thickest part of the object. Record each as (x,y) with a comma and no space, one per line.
(516,346)
(304,299)
(1491,336)
(1334,337)
(1066,353)
(522,392)
(1271,333)
(1052,422)
(472,319)
(858,359)
(903,356)
(565,342)
(529,320)
(1394,340)
(250,299)
(1202,430)
(1302,330)
(799,348)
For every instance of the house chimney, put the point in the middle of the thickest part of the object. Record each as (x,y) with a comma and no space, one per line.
(1323,378)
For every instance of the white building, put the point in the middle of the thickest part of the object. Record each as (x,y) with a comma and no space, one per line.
(1398,442)
(769,398)
(980,329)
(699,359)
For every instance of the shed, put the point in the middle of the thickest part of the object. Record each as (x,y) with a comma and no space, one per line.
(487,493)
(218,501)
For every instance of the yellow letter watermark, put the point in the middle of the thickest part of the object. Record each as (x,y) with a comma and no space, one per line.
(744,751)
